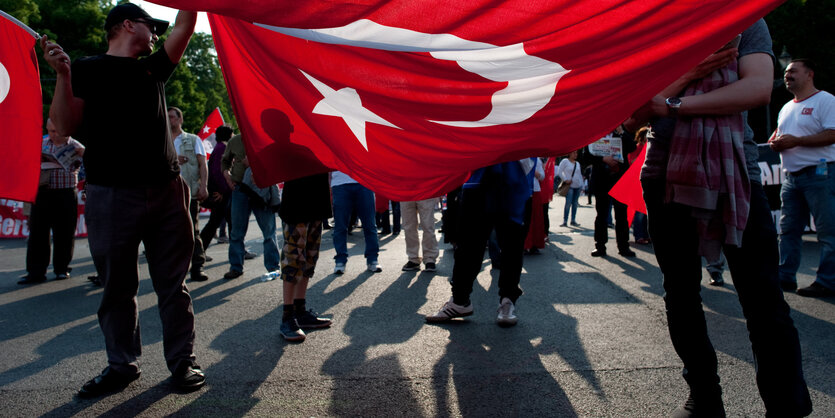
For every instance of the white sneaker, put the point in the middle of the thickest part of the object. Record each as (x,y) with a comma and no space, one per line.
(374,267)
(339,268)
(507,313)
(450,310)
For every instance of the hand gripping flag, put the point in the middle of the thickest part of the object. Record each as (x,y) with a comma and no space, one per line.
(407,96)
(20,111)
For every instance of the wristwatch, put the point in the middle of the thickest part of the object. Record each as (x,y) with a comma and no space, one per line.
(673,104)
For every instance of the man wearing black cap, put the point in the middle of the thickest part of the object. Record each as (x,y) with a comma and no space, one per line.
(114,104)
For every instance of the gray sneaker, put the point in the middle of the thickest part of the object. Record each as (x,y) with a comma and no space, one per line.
(507,313)
(374,267)
(339,268)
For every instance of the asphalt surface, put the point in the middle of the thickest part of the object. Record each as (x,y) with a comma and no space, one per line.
(591,340)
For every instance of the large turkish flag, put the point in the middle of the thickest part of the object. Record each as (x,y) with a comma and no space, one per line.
(20,113)
(407,96)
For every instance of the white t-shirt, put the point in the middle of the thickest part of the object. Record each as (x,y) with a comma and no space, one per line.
(565,171)
(811,116)
(198,144)
(339,178)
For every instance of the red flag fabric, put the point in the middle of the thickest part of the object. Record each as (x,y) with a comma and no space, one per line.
(214,120)
(628,189)
(20,113)
(407,96)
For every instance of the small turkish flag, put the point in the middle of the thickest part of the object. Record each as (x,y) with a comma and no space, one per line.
(214,121)
(20,113)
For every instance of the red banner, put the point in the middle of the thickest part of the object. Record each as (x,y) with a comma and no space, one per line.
(14,222)
(20,113)
(407,96)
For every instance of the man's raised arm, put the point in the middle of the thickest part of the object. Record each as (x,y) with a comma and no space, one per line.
(66,110)
(177,41)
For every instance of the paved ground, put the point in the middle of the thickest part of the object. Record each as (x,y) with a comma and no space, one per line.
(592,341)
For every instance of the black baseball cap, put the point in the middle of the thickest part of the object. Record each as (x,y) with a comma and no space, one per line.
(130,11)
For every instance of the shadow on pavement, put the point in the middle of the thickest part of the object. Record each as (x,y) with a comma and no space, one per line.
(353,373)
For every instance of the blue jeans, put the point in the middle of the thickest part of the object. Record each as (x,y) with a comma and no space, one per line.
(639,226)
(572,200)
(347,198)
(802,194)
(265,218)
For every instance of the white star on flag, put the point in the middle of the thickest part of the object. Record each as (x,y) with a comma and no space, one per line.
(206,129)
(346,104)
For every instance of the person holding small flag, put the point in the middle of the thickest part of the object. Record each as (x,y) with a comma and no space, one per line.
(114,104)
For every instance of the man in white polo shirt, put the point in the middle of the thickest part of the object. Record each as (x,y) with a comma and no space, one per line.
(192,159)
(805,139)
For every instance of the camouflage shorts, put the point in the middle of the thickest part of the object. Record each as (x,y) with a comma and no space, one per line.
(301,250)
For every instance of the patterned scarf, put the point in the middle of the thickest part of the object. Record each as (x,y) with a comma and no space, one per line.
(707,171)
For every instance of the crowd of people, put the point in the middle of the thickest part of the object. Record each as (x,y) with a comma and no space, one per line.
(696,207)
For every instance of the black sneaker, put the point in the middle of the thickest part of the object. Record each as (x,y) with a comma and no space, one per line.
(62,276)
(411,266)
(788,286)
(233,274)
(430,267)
(188,377)
(290,330)
(692,409)
(199,276)
(626,252)
(816,290)
(599,252)
(716,279)
(30,279)
(109,381)
(94,280)
(249,255)
(311,319)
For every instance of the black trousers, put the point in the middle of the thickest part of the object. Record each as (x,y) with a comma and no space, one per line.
(753,267)
(198,255)
(54,210)
(118,219)
(601,221)
(475,225)
(220,212)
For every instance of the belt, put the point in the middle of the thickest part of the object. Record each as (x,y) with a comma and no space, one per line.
(810,168)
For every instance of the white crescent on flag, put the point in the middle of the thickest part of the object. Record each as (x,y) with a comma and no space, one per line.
(5,83)
(531,81)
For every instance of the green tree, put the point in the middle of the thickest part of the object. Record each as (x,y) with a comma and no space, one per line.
(197,86)
(22,10)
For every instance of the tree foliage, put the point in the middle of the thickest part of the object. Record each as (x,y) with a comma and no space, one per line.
(196,86)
